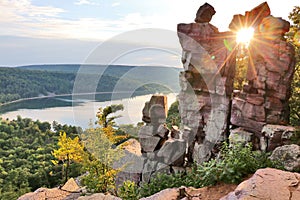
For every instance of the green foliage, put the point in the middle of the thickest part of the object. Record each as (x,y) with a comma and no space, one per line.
(25,152)
(173,115)
(103,115)
(232,165)
(70,150)
(99,163)
(242,63)
(295,139)
(128,191)
(163,181)
(294,38)
(17,83)
(129,129)
(32,81)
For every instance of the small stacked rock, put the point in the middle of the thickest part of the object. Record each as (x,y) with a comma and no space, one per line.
(154,133)
(161,150)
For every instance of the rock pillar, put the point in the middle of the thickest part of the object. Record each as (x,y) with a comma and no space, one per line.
(206,83)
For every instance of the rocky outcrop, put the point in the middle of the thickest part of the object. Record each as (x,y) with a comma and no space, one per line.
(264,97)
(70,190)
(208,106)
(268,184)
(206,85)
(288,155)
(154,115)
(161,148)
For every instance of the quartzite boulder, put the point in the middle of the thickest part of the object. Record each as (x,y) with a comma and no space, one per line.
(205,13)
(172,152)
(155,110)
(277,135)
(288,155)
(268,184)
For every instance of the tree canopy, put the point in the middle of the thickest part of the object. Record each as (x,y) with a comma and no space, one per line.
(294,38)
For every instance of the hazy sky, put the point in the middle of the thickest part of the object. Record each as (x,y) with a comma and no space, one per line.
(67,31)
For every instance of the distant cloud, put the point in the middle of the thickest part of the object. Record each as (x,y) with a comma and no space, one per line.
(22,18)
(86,2)
(23,8)
(115,4)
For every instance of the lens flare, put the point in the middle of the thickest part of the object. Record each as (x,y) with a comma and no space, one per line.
(244,35)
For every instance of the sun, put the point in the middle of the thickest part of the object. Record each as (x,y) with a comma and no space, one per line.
(245,35)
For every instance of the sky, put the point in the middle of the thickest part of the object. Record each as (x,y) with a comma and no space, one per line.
(70,31)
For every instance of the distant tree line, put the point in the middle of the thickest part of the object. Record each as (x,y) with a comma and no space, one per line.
(22,83)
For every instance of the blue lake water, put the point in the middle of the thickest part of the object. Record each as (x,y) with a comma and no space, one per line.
(79,110)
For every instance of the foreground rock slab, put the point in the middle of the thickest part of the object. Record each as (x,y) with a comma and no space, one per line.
(69,191)
(99,196)
(270,184)
(190,193)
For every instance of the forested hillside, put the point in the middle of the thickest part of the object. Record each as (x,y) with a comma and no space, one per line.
(33,81)
(17,83)
(25,156)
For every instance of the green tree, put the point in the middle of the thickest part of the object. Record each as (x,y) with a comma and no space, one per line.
(70,150)
(104,115)
(173,115)
(106,120)
(294,37)
(99,162)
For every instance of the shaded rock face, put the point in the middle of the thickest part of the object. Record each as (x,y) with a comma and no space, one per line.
(206,101)
(268,184)
(289,155)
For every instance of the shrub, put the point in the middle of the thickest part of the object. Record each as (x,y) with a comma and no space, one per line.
(173,115)
(232,165)
(128,191)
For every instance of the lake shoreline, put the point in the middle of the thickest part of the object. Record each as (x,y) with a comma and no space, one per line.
(61,95)
(64,111)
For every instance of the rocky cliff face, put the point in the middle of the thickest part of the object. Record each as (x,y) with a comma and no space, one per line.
(206,86)
(208,105)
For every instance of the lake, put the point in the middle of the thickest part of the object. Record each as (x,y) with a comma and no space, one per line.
(79,110)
